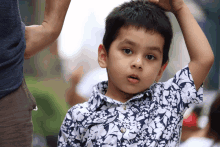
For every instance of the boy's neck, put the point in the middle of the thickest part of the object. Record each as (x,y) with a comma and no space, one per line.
(117,94)
(120,96)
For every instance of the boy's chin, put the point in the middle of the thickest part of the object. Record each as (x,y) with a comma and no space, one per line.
(127,93)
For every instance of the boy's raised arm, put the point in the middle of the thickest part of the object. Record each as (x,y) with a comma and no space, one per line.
(199,49)
(40,36)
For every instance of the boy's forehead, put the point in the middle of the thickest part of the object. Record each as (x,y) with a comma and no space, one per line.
(126,29)
(132,35)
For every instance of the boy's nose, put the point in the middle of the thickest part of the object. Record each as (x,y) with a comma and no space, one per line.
(137,63)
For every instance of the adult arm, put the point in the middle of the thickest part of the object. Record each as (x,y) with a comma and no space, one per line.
(40,36)
(199,49)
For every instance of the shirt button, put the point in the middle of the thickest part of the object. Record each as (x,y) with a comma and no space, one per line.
(123,130)
(124,107)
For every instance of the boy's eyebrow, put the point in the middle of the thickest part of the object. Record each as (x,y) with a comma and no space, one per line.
(155,48)
(127,41)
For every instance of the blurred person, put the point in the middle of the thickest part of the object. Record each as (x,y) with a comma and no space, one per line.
(210,135)
(131,108)
(81,86)
(72,97)
(190,122)
(19,42)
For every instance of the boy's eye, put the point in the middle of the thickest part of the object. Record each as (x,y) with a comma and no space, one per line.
(150,57)
(127,51)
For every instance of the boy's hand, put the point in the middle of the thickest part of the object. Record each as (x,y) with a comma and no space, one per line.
(169,5)
(200,51)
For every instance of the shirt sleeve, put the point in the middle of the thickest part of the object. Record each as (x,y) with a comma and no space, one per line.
(180,91)
(68,135)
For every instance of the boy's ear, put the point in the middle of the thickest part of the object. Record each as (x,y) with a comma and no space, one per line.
(161,71)
(102,56)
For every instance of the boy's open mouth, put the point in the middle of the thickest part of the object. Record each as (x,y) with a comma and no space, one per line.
(134,79)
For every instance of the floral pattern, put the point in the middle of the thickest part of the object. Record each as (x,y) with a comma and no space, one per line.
(151,118)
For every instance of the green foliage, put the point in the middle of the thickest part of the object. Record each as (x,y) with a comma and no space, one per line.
(51,109)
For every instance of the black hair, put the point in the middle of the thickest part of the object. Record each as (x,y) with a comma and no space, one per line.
(141,14)
(214,117)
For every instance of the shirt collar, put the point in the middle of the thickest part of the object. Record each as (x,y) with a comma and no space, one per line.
(98,96)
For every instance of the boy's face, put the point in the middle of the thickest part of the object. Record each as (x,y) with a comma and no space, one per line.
(134,60)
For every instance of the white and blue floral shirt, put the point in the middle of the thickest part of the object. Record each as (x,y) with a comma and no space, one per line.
(150,119)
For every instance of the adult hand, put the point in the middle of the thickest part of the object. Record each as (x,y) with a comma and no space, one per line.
(40,36)
(169,5)
(37,38)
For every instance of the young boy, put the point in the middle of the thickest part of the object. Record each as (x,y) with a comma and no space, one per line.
(131,108)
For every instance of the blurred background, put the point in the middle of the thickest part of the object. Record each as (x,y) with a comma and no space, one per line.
(48,74)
